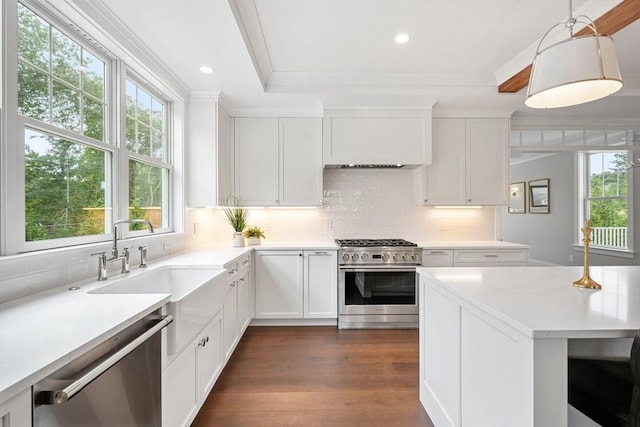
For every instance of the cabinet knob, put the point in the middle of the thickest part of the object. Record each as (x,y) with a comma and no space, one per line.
(468,200)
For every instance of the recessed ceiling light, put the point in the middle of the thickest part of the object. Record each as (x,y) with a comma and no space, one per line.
(402,38)
(206,70)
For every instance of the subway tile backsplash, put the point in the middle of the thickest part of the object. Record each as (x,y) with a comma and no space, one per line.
(371,203)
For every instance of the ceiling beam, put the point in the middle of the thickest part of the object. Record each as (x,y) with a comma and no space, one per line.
(611,22)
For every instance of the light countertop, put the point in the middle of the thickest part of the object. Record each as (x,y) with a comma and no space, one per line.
(41,333)
(541,301)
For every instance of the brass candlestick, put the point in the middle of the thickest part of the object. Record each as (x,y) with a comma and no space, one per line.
(585,281)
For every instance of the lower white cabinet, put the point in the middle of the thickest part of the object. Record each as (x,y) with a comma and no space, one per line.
(501,257)
(16,412)
(278,284)
(497,257)
(187,381)
(191,374)
(295,284)
(437,257)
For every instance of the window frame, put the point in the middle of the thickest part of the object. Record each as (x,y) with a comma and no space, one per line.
(583,200)
(117,68)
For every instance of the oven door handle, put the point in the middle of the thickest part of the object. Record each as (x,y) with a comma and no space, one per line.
(58,397)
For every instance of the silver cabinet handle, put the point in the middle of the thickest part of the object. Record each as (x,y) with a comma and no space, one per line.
(245,262)
(490,256)
(58,397)
(436,252)
(321,252)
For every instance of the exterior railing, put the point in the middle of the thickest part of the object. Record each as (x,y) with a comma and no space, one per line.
(611,237)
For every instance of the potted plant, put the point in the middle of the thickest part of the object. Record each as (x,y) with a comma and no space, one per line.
(237,217)
(253,235)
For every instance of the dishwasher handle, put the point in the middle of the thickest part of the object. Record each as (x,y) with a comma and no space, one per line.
(58,397)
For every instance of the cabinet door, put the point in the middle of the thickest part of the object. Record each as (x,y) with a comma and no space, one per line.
(179,392)
(225,157)
(209,359)
(256,161)
(16,412)
(445,176)
(278,284)
(320,284)
(487,161)
(230,322)
(244,301)
(301,161)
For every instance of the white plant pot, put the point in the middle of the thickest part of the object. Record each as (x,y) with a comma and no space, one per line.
(238,240)
(251,241)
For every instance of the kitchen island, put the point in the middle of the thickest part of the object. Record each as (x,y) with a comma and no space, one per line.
(494,341)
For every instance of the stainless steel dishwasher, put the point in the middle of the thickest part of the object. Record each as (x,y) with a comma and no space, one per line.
(117,383)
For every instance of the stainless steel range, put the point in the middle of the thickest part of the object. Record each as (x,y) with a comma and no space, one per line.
(377,283)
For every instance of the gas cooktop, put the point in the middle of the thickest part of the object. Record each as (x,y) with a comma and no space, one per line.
(370,243)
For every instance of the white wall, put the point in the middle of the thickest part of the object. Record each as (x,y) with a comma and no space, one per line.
(552,236)
(358,203)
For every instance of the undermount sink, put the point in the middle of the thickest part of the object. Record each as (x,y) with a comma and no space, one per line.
(193,290)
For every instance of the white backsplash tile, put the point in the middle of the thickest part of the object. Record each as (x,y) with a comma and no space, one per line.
(358,203)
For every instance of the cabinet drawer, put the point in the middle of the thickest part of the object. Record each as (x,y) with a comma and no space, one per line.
(490,257)
(238,266)
(437,257)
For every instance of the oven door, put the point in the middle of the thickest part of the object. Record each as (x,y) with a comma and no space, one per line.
(377,290)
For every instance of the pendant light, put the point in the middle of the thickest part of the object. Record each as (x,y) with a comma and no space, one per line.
(575,70)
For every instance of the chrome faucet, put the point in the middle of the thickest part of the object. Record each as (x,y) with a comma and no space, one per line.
(115,254)
(114,248)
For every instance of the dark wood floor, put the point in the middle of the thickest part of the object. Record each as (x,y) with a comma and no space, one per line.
(318,376)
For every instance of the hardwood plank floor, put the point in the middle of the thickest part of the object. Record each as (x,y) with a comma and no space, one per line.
(318,376)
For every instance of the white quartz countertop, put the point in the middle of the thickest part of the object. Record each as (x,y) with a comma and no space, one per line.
(470,244)
(41,333)
(541,301)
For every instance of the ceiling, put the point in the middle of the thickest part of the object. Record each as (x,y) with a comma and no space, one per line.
(305,54)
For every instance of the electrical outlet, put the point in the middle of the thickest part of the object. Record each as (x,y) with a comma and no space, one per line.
(443,225)
(167,245)
(327,225)
(571,259)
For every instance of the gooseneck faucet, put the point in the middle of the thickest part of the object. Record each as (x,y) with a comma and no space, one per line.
(114,248)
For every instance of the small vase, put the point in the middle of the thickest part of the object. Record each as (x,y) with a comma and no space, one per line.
(252,241)
(238,240)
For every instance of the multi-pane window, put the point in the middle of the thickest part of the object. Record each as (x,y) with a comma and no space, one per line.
(606,198)
(61,94)
(59,82)
(74,161)
(148,154)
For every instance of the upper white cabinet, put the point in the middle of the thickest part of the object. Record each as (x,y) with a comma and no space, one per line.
(256,161)
(209,152)
(278,162)
(470,163)
(377,137)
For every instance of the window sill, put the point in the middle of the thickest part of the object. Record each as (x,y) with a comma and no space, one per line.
(620,253)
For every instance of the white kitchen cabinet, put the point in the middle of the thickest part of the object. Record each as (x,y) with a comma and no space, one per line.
(367,136)
(187,381)
(470,163)
(320,284)
(437,257)
(237,309)
(278,284)
(16,412)
(499,257)
(295,284)
(300,161)
(278,162)
(256,161)
(210,157)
